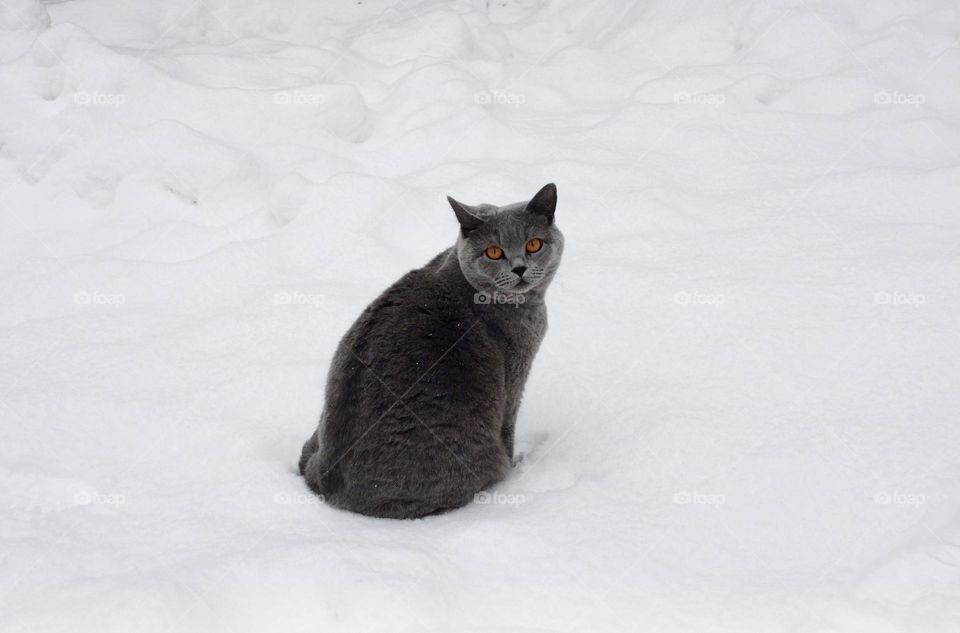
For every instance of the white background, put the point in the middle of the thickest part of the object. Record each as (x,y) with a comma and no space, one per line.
(743,418)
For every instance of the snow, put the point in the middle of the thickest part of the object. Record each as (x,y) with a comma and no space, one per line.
(743,417)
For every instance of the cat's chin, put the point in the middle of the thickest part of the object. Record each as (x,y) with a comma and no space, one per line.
(518,288)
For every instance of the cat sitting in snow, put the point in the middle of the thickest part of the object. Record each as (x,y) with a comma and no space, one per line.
(423,392)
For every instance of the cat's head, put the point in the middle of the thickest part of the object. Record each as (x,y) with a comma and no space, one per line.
(510,249)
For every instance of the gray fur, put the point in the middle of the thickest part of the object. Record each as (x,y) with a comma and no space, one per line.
(423,392)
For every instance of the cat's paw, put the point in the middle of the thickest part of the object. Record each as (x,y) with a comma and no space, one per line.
(527,447)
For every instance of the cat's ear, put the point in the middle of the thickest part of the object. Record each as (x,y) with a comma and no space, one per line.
(545,202)
(468,218)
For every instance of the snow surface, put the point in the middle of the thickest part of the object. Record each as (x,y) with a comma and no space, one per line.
(744,417)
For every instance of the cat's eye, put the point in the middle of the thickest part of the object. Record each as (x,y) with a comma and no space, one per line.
(534,245)
(494,252)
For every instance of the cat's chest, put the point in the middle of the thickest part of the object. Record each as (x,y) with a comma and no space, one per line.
(520,336)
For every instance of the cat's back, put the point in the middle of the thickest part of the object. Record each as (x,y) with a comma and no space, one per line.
(419,304)
(424,322)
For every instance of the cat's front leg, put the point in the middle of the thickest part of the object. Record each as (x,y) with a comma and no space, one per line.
(509,426)
(309,448)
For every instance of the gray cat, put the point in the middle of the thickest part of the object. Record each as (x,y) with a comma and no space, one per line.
(423,392)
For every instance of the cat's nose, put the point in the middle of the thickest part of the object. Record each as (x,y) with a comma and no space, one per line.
(519,270)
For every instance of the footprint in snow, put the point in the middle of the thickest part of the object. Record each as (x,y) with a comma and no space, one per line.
(536,471)
(526,446)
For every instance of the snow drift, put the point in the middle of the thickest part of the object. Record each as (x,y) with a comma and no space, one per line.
(744,417)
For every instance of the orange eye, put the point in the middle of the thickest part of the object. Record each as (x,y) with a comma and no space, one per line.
(494,252)
(534,245)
